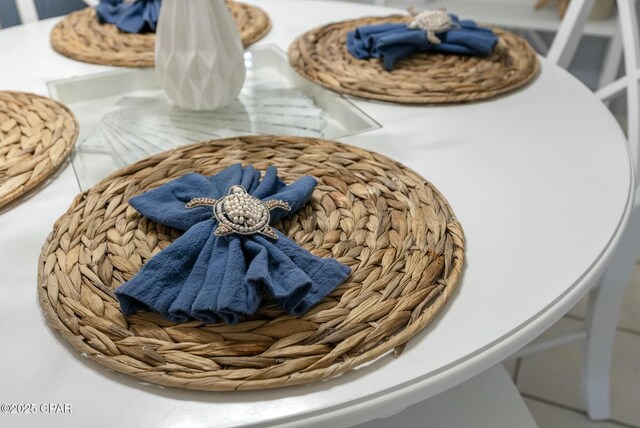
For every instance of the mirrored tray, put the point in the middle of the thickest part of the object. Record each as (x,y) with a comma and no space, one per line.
(125,116)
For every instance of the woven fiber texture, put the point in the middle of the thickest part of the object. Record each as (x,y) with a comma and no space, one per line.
(80,36)
(36,136)
(321,56)
(394,229)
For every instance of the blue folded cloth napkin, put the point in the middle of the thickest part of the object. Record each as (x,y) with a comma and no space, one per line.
(212,278)
(393,42)
(140,16)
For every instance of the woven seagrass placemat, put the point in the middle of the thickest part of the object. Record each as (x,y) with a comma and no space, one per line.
(321,56)
(393,228)
(80,36)
(36,136)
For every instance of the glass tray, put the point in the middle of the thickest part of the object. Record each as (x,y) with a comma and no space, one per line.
(125,116)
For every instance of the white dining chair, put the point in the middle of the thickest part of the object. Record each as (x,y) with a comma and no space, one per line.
(605,301)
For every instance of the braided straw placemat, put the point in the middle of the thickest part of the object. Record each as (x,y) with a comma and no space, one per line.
(321,56)
(36,136)
(394,229)
(80,36)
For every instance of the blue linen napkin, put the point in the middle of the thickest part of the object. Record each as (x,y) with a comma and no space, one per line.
(211,278)
(140,16)
(393,42)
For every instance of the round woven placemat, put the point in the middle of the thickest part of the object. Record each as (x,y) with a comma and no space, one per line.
(321,56)
(394,229)
(36,136)
(80,36)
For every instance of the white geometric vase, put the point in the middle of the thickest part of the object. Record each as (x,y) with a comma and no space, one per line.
(199,55)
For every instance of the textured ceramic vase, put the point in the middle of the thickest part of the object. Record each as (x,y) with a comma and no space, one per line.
(199,54)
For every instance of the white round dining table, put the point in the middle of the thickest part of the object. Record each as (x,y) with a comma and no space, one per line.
(540,179)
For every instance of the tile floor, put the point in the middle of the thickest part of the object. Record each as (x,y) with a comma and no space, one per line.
(550,383)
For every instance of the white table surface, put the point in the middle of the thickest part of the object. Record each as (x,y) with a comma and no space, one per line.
(540,180)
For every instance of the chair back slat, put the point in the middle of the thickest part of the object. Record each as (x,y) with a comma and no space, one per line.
(27,11)
(612,90)
(570,32)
